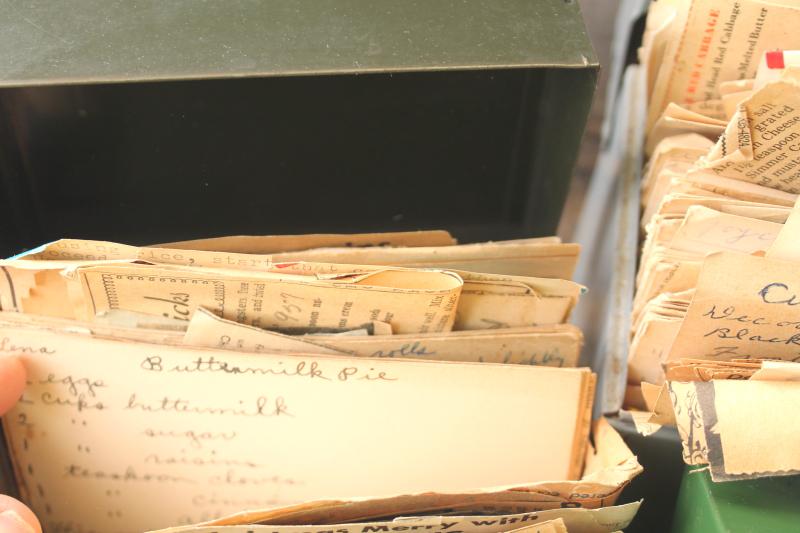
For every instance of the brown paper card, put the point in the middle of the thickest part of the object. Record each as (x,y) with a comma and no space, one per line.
(745,306)
(705,230)
(557,345)
(740,190)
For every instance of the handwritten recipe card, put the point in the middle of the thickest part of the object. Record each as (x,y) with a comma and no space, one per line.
(170,386)
(128,436)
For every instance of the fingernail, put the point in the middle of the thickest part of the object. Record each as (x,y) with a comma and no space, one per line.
(17,520)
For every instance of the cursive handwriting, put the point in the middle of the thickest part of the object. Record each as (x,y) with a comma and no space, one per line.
(79,402)
(729,313)
(232,478)
(739,234)
(411,349)
(129,474)
(212,364)
(196,438)
(776,293)
(74,385)
(210,460)
(728,352)
(181,308)
(312,370)
(535,359)
(349,372)
(743,334)
(6,345)
(261,407)
(210,500)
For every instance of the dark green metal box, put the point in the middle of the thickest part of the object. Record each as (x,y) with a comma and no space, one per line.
(148,121)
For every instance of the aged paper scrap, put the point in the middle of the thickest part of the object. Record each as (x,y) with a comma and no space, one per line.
(576,519)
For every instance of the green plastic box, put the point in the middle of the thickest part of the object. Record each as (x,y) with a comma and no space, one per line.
(756,506)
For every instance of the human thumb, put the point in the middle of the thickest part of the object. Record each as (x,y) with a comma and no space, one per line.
(12,382)
(16,518)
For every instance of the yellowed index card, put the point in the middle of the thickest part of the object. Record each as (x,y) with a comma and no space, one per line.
(745,306)
(129,436)
(705,230)
(526,257)
(772,431)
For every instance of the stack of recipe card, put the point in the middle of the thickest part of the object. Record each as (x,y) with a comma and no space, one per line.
(719,277)
(704,192)
(307,380)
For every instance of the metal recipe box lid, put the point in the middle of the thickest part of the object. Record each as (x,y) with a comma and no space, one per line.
(285,115)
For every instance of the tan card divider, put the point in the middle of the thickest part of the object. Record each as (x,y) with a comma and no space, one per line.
(518,258)
(654,332)
(557,345)
(545,257)
(674,154)
(270,244)
(670,260)
(705,230)
(677,120)
(740,190)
